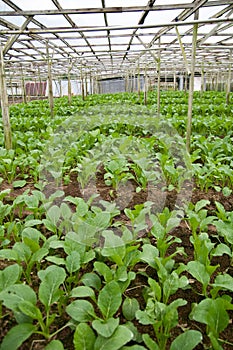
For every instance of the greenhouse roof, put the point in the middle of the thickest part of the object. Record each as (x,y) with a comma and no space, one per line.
(111,37)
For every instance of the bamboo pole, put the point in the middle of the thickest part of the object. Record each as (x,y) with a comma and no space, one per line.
(24,95)
(69,83)
(174,79)
(139,81)
(191,83)
(159,78)
(82,84)
(145,86)
(5,104)
(86,85)
(229,80)
(202,77)
(50,82)
(12,91)
(40,82)
(186,81)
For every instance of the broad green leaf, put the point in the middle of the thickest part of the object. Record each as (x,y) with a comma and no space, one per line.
(55,345)
(106,329)
(81,311)
(16,293)
(109,299)
(103,270)
(83,292)
(221,249)
(81,205)
(198,271)
(30,310)
(226,191)
(148,255)
(73,262)
(8,254)
(51,278)
(9,276)
(101,221)
(31,201)
(114,247)
(144,318)
(65,211)
(33,222)
(201,204)
(170,317)
(56,260)
(212,312)
(53,214)
(150,343)
(187,340)
(17,335)
(120,337)
(84,337)
(90,279)
(19,183)
(129,308)
(88,256)
(137,336)
(224,282)
(49,225)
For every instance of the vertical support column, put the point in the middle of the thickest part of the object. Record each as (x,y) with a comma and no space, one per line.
(174,79)
(40,82)
(186,81)
(229,80)
(82,84)
(12,91)
(202,77)
(60,88)
(50,82)
(191,83)
(5,104)
(145,86)
(69,83)
(86,85)
(165,79)
(139,81)
(24,95)
(159,78)
(91,86)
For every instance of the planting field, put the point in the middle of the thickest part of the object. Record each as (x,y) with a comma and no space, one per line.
(112,235)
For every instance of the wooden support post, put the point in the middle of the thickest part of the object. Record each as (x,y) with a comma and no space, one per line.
(69,83)
(86,85)
(5,104)
(24,95)
(159,78)
(139,81)
(60,88)
(202,78)
(145,86)
(12,91)
(50,82)
(174,80)
(191,84)
(40,82)
(82,85)
(229,80)
(91,84)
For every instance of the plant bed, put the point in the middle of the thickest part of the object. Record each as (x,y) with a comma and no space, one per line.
(119,267)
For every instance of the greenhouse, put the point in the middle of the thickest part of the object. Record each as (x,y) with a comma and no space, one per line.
(116,175)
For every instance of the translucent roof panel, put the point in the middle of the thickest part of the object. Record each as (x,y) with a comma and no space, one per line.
(112,35)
